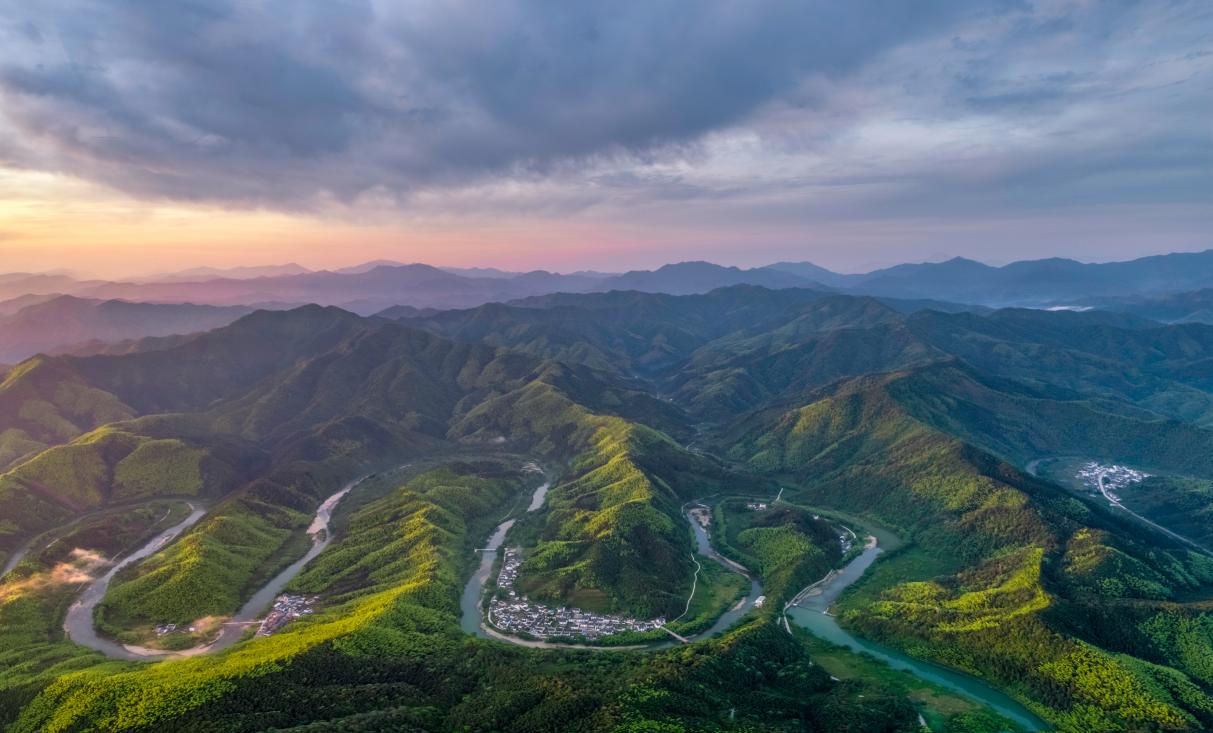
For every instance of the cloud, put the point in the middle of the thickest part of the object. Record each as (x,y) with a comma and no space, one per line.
(709,115)
(277,103)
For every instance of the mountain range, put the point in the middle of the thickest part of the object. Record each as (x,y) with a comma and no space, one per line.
(67,323)
(950,432)
(1164,288)
(381,284)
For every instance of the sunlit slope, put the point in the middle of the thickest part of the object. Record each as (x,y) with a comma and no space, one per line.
(1023,423)
(385,653)
(369,395)
(44,401)
(117,465)
(614,537)
(1002,567)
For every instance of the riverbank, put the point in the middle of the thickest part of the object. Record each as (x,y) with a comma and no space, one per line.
(80,627)
(46,538)
(473,619)
(810,610)
(78,624)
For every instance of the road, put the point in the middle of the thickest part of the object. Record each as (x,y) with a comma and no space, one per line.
(870,545)
(21,552)
(1114,501)
(1034,465)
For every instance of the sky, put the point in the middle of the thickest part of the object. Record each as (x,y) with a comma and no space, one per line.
(139,136)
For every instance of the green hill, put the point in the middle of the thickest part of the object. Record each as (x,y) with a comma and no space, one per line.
(385,652)
(916,419)
(324,395)
(1001,566)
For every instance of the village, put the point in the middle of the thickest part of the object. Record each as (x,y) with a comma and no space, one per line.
(1109,480)
(518,615)
(286,608)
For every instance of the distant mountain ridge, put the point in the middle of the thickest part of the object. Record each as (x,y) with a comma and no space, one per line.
(375,286)
(233,273)
(65,322)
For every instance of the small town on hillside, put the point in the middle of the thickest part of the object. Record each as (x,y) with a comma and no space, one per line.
(1109,479)
(516,614)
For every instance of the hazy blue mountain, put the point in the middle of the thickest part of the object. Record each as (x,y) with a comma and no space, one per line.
(368,290)
(12,305)
(374,286)
(66,321)
(1195,306)
(1041,282)
(685,278)
(816,273)
(234,273)
(482,272)
(16,284)
(368,266)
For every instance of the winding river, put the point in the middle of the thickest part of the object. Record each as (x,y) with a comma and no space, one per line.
(79,621)
(55,532)
(703,544)
(472,616)
(812,613)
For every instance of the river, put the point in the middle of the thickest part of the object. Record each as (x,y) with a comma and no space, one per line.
(812,614)
(52,534)
(703,544)
(472,616)
(79,621)
(471,620)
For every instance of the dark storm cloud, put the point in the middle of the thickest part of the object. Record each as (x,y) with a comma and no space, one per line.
(276,102)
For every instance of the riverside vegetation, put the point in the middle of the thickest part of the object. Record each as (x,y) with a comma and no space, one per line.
(920,420)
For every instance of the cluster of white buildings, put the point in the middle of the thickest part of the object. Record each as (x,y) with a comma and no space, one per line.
(286,608)
(516,614)
(1109,479)
(845,541)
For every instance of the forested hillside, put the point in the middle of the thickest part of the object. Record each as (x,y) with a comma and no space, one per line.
(1005,576)
(635,406)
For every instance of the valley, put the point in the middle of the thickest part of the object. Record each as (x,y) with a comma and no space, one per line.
(78,624)
(630,367)
(533,496)
(810,610)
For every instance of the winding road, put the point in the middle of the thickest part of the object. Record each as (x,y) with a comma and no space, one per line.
(1033,467)
(21,552)
(1115,501)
